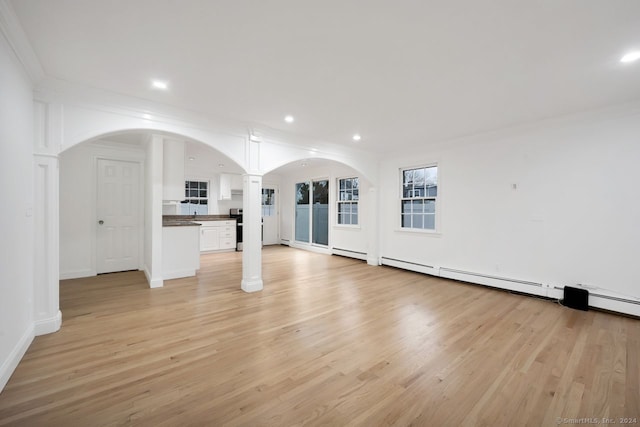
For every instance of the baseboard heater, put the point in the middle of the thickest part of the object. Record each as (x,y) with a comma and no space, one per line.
(285,242)
(349,253)
(486,276)
(594,296)
(470,277)
(596,300)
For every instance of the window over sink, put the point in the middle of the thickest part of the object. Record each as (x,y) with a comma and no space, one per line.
(196,200)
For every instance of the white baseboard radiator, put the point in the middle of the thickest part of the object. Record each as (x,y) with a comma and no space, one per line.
(349,253)
(597,298)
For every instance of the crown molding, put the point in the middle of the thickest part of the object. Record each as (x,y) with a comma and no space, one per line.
(16,37)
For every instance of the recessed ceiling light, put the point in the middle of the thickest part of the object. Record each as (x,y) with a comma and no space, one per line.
(159,84)
(631,56)
(304,164)
(289,119)
(357,137)
(192,158)
(220,165)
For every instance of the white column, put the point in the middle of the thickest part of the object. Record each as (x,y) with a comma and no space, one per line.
(46,286)
(153,212)
(252,233)
(373,251)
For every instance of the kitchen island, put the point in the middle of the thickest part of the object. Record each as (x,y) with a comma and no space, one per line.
(217,234)
(180,248)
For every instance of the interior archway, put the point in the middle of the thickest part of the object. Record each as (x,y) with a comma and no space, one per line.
(351,234)
(78,200)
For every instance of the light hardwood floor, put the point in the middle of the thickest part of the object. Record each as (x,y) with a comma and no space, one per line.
(329,341)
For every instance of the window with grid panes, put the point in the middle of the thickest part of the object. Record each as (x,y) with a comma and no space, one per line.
(196,200)
(348,197)
(419,198)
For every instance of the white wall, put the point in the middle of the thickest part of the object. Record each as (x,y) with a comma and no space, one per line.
(78,200)
(347,238)
(16,192)
(572,219)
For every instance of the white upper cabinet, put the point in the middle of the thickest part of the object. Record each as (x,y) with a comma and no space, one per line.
(229,184)
(173,170)
(236,183)
(225,187)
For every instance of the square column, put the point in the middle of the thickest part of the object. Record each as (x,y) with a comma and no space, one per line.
(252,233)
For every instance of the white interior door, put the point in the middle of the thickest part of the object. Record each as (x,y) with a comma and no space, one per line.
(118,218)
(270,215)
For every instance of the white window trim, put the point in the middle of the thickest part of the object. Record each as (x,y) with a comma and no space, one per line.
(437,231)
(337,199)
(201,179)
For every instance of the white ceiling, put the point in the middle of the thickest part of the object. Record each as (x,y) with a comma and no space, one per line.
(401,73)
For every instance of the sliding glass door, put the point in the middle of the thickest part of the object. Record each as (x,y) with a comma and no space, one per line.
(303,214)
(312,219)
(320,213)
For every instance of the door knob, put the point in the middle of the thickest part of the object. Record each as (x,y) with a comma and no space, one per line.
(101,222)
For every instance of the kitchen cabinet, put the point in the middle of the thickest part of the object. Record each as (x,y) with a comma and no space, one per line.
(217,236)
(209,238)
(230,184)
(225,187)
(173,170)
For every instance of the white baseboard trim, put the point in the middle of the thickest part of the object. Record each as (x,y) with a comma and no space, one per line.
(178,274)
(349,253)
(531,288)
(411,266)
(16,355)
(311,248)
(153,283)
(597,298)
(66,275)
(48,326)
(251,285)
(619,305)
(156,283)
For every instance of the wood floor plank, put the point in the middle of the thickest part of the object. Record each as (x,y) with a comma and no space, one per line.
(329,341)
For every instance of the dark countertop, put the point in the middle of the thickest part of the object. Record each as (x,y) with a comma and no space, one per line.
(190,220)
(179,224)
(196,218)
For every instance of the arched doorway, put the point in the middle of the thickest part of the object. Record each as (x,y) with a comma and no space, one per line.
(139,207)
(327,206)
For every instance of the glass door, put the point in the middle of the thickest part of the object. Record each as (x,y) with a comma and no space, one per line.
(312,212)
(320,213)
(303,215)
(270,217)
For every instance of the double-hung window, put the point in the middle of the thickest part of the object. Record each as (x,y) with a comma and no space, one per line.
(419,198)
(196,198)
(348,196)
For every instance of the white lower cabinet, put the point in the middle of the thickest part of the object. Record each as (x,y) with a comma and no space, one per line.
(217,236)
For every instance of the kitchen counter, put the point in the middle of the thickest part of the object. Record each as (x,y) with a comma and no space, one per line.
(172,223)
(190,220)
(197,218)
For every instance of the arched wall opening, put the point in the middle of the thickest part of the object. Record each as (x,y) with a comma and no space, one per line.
(78,192)
(348,216)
